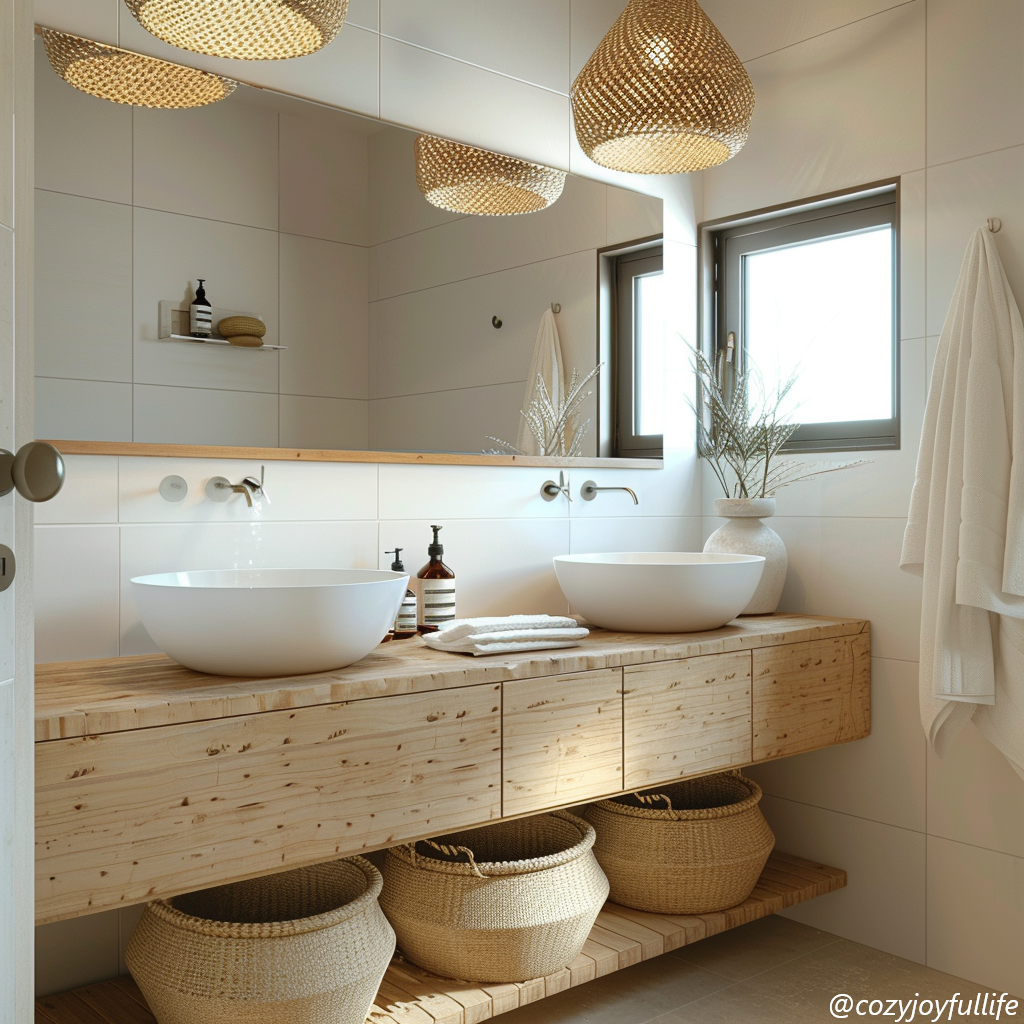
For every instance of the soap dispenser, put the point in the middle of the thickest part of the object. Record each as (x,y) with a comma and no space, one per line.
(405,623)
(200,313)
(436,589)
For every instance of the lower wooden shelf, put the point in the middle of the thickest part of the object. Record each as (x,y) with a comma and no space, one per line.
(620,938)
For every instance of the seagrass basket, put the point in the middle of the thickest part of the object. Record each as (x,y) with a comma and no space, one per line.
(692,847)
(506,902)
(308,946)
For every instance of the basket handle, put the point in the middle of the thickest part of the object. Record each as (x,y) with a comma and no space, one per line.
(453,851)
(649,798)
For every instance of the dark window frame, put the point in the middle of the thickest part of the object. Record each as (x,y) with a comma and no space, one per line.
(723,243)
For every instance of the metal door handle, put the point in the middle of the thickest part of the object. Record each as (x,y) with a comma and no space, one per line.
(37,471)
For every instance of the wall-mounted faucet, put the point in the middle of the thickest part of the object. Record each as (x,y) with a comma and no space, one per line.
(588,492)
(549,490)
(219,488)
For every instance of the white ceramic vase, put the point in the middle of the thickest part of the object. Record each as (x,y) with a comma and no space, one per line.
(745,534)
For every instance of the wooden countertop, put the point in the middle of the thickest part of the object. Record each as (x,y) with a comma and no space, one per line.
(86,698)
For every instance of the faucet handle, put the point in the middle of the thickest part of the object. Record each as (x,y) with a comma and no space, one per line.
(549,490)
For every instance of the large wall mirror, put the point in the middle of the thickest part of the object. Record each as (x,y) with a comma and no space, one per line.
(385,307)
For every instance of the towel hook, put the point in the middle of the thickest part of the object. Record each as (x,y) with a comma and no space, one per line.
(556,307)
(994,224)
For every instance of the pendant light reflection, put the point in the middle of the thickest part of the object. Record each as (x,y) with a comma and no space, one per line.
(463,179)
(663,93)
(121,76)
(243,29)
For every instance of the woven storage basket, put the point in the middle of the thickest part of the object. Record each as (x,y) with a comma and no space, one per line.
(507,902)
(305,947)
(693,847)
(236,326)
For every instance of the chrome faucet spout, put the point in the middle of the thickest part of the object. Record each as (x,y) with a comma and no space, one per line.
(220,489)
(588,492)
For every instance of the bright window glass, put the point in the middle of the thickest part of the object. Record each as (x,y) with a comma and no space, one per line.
(822,310)
(649,352)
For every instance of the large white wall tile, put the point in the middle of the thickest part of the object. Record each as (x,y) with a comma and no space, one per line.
(501,566)
(217,162)
(883,904)
(342,74)
(364,13)
(660,492)
(422,89)
(76,952)
(975,89)
(83,288)
(648,533)
(633,215)
(76,592)
(775,24)
(976,915)
(324,293)
(89,494)
(466,492)
(532,46)
(837,111)
(333,423)
(961,197)
(913,255)
(177,415)
(83,144)
(240,265)
(975,797)
(93,19)
(473,246)
(881,777)
(299,492)
(324,184)
(165,548)
(82,410)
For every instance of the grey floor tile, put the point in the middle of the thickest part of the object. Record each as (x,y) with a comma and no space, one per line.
(740,953)
(631,996)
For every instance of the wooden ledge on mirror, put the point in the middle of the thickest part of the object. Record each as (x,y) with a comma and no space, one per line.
(620,938)
(139,449)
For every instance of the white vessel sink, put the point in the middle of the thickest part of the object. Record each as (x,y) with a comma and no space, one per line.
(659,591)
(269,622)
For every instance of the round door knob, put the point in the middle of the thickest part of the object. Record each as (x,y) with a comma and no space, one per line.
(37,471)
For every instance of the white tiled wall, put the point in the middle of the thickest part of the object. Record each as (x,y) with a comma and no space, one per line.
(848,93)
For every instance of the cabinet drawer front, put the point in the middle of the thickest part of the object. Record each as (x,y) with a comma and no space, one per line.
(562,740)
(686,717)
(132,816)
(811,695)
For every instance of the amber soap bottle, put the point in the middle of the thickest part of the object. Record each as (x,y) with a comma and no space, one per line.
(435,589)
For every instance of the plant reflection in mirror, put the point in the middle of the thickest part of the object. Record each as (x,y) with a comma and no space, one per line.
(742,427)
(554,421)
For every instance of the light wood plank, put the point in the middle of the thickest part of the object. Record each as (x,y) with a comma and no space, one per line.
(114,1004)
(652,942)
(811,695)
(267,793)
(561,740)
(686,717)
(84,698)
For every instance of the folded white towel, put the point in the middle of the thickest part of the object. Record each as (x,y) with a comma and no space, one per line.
(507,635)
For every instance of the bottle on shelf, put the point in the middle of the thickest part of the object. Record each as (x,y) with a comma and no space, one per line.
(435,585)
(405,622)
(200,313)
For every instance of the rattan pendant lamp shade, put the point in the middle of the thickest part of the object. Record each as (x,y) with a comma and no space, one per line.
(463,179)
(125,77)
(244,29)
(663,93)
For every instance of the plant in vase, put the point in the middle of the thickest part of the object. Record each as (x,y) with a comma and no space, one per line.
(741,436)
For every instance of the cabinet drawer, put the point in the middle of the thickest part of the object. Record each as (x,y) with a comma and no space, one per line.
(686,717)
(130,816)
(562,740)
(811,695)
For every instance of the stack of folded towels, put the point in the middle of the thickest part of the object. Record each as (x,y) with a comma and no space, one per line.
(507,634)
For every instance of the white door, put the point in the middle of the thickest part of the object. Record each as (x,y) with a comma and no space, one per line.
(16,781)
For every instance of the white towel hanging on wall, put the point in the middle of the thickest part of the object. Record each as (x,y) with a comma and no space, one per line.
(965,531)
(547,361)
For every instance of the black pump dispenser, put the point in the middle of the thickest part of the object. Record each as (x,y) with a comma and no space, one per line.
(396,565)
(405,622)
(436,549)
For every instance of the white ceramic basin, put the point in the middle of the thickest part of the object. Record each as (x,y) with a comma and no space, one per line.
(659,591)
(269,622)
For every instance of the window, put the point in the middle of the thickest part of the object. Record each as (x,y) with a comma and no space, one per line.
(810,293)
(639,322)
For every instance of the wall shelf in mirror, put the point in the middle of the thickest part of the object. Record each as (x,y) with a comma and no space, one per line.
(173,325)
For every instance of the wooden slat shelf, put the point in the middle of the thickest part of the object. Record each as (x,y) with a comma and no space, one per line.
(621,938)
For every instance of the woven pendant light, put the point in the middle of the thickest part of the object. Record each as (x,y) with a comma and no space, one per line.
(244,29)
(125,77)
(663,93)
(464,179)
